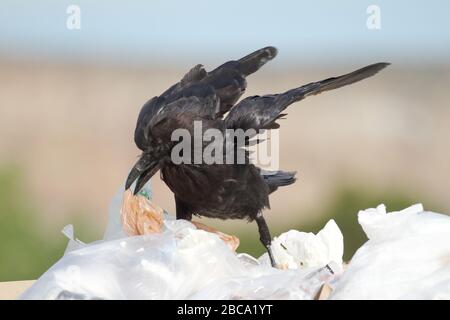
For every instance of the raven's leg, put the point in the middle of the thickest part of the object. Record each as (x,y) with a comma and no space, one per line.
(183,211)
(264,236)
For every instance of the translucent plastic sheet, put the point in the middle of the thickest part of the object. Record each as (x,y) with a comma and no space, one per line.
(407,256)
(176,260)
(179,263)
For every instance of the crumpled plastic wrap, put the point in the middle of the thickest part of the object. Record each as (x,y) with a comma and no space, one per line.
(295,249)
(177,260)
(407,257)
(179,263)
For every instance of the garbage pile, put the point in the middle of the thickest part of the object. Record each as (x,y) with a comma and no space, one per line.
(147,254)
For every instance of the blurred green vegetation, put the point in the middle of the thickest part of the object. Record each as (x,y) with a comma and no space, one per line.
(27,249)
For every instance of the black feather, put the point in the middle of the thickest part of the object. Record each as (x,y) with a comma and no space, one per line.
(261,112)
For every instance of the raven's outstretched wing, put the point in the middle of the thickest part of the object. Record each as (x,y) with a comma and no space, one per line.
(228,80)
(224,85)
(261,112)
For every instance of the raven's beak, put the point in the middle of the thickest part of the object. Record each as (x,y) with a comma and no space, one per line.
(132,176)
(145,176)
(143,170)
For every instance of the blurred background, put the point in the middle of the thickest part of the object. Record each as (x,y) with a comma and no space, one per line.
(69,100)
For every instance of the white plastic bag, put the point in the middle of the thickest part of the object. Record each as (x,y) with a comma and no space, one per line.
(181,262)
(407,257)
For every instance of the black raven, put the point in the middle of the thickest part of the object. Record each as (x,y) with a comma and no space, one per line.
(220,190)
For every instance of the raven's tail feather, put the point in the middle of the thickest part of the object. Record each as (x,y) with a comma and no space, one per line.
(277,179)
(314,88)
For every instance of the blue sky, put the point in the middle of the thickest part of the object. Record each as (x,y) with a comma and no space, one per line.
(306,32)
